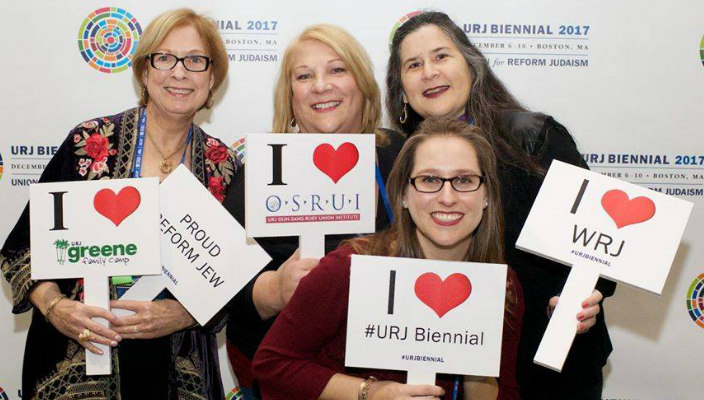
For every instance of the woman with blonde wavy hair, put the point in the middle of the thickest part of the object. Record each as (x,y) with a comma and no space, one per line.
(358,66)
(326,85)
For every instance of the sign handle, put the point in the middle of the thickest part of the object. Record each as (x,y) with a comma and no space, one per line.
(96,292)
(312,245)
(562,327)
(421,377)
(145,289)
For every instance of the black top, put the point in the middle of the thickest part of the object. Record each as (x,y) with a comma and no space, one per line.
(246,329)
(546,140)
(161,368)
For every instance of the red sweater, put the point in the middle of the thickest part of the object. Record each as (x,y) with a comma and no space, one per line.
(306,345)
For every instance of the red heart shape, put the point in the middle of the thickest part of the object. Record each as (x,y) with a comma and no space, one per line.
(442,296)
(117,207)
(626,212)
(336,163)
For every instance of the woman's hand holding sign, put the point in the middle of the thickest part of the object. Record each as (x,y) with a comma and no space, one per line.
(152,319)
(75,319)
(273,289)
(291,272)
(343,386)
(590,309)
(389,390)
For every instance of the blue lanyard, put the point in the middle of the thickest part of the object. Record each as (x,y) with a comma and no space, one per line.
(123,283)
(188,140)
(139,149)
(456,387)
(384,196)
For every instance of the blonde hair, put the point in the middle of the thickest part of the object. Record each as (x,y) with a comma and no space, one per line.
(357,62)
(159,28)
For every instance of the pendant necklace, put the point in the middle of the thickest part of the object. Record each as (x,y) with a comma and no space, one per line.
(166,166)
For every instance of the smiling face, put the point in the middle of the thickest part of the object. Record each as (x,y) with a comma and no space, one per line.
(178,93)
(445,220)
(326,98)
(435,76)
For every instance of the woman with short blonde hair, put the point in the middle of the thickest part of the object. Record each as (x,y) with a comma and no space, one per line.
(353,56)
(160,28)
(160,351)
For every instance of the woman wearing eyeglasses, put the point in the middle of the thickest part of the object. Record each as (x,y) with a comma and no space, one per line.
(161,352)
(444,192)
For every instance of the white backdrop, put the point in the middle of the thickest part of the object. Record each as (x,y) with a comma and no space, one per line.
(626,80)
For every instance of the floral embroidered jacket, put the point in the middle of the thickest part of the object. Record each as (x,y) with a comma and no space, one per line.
(54,365)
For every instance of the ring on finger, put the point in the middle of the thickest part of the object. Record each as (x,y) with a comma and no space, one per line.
(85,335)
(135,329)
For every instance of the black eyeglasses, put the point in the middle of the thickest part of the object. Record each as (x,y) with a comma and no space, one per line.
(166,61)
(460,183)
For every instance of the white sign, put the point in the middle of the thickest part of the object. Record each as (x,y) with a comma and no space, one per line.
(425,316)
(107,225)
(629,233)
(94,230)
(600,226)
(309,185)
(206,258)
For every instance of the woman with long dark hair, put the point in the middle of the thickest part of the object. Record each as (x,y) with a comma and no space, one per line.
(434,71)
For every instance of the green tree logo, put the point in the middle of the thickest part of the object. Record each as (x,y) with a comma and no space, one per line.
(61,246)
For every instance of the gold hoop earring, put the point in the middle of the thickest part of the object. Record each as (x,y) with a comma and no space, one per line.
(404,114)
(294,127)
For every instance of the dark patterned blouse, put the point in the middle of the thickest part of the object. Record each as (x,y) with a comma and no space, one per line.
(181,365)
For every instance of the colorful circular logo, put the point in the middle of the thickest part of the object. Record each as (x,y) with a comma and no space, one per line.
(108,38)
(401,22)
(238,146)
(695,300)
(1,166)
